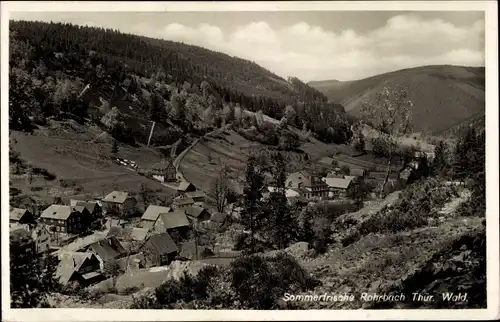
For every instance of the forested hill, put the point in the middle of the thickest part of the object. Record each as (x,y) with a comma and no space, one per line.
(48,55)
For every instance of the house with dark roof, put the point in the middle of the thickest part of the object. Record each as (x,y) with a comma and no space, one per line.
(80,267)
(153,212)
(197,214)
(131,263)
(107,249)
(119,203)
(175,223)
(164,171)
(21,216)
(305,180)
(65,219)
(183,202)
(92,207)
(339,187)
(159,250)
(197,196)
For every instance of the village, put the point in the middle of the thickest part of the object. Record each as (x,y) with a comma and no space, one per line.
(95,240)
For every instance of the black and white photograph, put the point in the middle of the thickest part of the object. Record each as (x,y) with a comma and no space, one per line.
(224,157)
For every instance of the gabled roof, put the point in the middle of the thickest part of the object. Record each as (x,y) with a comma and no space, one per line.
(147,224)
(89,205)
(326,160)
(17,226)
(174,219)
(183,186)
(139,234)
(116,197)
(57,212)
(338,182)
(357,172)
(17,213)
(71,262)
(162,244)
(153,212)
(80,208)
(184,201)
(194,211)
(108,248)
(163,164)
(350,177)
(195,194)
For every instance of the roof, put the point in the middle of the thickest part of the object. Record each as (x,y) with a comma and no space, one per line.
(81,243)
(218,217)
(80,208)
(163,164)
(162,243)
(183,186)
(17,213)
(147,224)
(132,260)
(302,176)
(194,211)
(338,182)
(357,172)
(153,212)
(326,160)
(17,226)
(138,234)
(174,219)
(108,248)
(71,262)
(184,201)
(57,212)
(116,197)
(350,177)
(195,194)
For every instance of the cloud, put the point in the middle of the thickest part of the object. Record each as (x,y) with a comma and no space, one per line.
(313,53)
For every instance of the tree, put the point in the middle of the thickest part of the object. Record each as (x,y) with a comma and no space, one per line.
(114,148)
(145,193)
(112,268)
(280,223)
(32,277)
(441,159)
(222,189)
(252,192)
(391,115)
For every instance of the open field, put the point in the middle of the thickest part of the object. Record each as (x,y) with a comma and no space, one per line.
(72,157)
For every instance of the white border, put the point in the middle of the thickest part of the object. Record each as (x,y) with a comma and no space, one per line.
(491,21)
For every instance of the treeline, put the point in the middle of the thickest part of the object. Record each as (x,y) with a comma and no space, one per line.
(51,63)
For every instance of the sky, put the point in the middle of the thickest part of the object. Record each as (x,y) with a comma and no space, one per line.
(310,45)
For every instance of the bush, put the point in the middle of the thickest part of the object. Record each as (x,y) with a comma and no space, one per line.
(129,290)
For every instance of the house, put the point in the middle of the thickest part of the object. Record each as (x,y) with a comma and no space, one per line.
(65,219)
(197,196)
(339,187)
(289,193)
(42,238)
(119,203)
(184,187)
(164,171)
(305,180)
(159,250)
(197,214)
(183,203)
(131,263)
(80,267)
(94,209)
(107,249)
(357,172)
(21,216)
(175,223)
(115,223)
(327,161)
(153,212)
